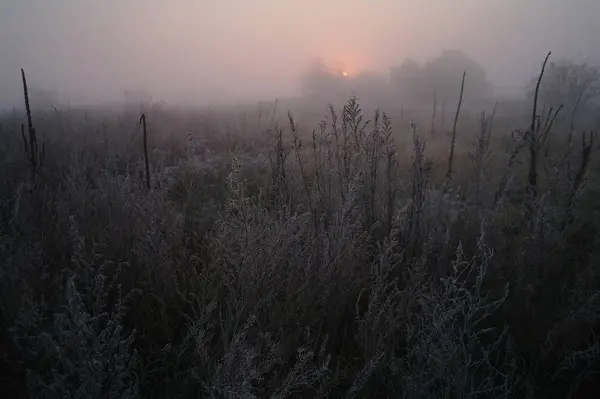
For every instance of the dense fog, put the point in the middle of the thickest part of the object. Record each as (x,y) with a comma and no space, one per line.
(216,51)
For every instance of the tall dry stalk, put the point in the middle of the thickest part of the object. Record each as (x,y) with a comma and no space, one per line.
(535,138)
(25,147)
(579,180)
(532,175)
(453,143)
(34,156)
(145,132)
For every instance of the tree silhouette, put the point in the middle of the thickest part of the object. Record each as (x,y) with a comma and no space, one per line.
(569,84)
(441,76)
(319,79)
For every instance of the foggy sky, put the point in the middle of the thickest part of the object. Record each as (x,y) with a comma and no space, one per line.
(217,50)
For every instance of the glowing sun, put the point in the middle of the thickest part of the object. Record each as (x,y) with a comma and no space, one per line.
(344,74)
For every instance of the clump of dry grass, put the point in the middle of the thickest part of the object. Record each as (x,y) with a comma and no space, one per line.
(318,266)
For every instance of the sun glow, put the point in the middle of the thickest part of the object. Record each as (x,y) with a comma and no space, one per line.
(345,74)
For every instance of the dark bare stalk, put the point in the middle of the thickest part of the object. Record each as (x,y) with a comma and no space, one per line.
(533,140)
(453,143)
(32,136)
(579,179)
(537,140)
(585,161)
(26,150)
(35,149)
(143,123)
(537,92)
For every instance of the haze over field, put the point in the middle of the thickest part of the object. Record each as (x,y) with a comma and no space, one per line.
(299,199)
(211,51)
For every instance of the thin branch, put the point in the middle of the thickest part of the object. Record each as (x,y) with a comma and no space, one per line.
(452,145)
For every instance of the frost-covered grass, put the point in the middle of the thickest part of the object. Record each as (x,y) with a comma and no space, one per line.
(274,261)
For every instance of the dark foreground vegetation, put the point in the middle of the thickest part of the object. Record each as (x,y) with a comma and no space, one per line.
(349,261)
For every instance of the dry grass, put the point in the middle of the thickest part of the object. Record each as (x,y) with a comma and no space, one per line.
(274,260)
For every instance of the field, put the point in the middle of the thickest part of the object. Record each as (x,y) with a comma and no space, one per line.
(264,254)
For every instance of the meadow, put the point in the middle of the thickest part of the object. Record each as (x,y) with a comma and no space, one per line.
(334,251)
